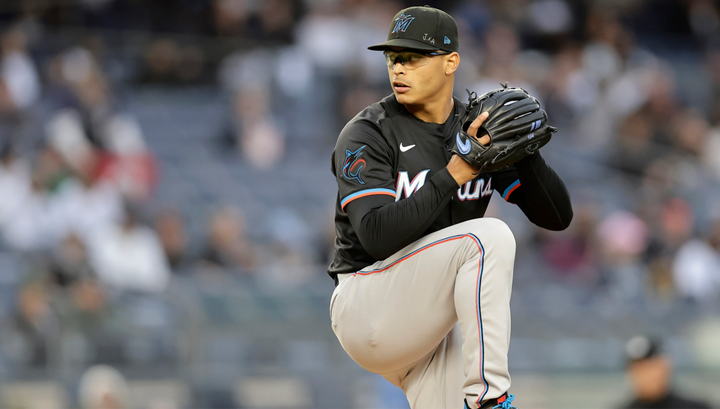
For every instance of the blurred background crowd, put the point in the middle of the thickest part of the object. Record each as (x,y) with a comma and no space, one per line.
(166,198)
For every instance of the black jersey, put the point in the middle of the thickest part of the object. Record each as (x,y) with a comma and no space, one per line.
(393,185)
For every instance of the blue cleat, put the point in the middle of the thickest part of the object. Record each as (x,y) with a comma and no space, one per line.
(503,402)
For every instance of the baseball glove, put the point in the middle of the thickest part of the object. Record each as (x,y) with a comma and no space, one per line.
(516,125)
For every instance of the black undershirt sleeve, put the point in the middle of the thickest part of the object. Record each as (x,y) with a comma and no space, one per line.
(384,226)
(542,196)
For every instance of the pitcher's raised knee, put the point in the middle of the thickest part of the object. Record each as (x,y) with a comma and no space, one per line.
(492,229)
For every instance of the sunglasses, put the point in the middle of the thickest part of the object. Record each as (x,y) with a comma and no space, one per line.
(411,59)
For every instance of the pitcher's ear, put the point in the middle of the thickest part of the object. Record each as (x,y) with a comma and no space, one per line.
(451,63)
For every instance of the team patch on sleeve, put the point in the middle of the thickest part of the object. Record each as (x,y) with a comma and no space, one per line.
(506,194)
(354,164)
(366,192)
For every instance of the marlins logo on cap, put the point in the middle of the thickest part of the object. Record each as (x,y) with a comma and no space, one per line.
(421,28)
(402,23)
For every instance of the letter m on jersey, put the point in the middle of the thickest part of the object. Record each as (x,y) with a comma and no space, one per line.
(404,185)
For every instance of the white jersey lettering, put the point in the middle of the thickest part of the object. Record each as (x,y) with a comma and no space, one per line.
(481,190)
(404,185)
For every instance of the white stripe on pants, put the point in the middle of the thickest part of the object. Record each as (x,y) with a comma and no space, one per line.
(396,317)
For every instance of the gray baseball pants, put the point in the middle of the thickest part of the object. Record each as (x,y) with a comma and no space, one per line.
(399,317)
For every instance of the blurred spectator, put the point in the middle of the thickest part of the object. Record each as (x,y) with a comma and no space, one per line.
(170,228)
(129,256)
(15,176)
(161,61)
(704,19)
(696,267)
(167,62)
(690,132)
(277,19)
(326,34)
(81,300)
(70,263)
(270,21)
(567,90)
(676,222)
(230,17)
(712,68)
(649,371)
(601,81)
(623,238)
(662,106)
(35,321)
(91,133)
(501,47)
(671,221)
(711,153)
(45,206)
(83,206)
(87,309)
(254,130)
(227,245)
(658,183)
(370,17)
(289,263)
(260,139)
(55,201)
(19,81)
(550,17)
(573,253)
(636,149)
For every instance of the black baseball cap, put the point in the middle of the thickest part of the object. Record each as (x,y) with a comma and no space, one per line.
(421,28)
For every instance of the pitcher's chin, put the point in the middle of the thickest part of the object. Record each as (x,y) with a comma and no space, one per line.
(403,97)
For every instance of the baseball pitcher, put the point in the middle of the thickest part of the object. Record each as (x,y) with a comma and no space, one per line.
(423,281)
